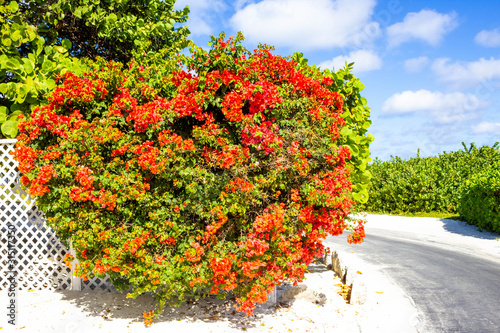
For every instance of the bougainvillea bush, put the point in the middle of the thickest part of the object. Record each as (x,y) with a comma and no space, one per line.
(224,175)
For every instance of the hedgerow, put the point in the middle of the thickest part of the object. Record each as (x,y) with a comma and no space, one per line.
(222,173)
(426,184)
(480,199)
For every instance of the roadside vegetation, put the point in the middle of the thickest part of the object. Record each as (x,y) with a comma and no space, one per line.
(434,214)
(179,173)
(461,185)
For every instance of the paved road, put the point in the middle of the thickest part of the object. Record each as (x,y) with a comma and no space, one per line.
(452,278)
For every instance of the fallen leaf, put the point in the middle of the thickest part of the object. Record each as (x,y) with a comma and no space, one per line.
(262,324)
(31,290)
(64,312)
(359,272)
(379,292)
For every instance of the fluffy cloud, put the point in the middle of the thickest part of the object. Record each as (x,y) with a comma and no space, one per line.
(202,14)
(307,25)
(463,75)
(427,25)
(415,65)
(444,108)
(488,38)
(364,61)
(486,127)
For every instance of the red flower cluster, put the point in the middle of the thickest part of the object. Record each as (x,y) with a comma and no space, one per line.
(239,184)
(262,136)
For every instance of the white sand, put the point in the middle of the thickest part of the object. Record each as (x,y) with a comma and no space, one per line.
(77,312)
(387,308)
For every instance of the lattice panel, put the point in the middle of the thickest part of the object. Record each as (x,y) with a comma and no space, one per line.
(39,250)
(94,283)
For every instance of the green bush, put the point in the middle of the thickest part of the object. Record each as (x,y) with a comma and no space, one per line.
(426,184)
(480,199)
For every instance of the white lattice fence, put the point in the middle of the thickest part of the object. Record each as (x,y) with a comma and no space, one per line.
(39,250)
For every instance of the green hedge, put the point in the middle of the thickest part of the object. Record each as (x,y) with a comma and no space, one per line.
(426,184)
(480,200)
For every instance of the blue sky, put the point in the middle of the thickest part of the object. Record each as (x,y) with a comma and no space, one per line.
(431,68)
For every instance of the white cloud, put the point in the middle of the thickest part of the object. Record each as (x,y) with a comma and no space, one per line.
(202,14)
(486,127)
(307,25)
(427,25)
(415,65)
(238,4)
(444,108)
(462,75)
(488,38)
(364,61)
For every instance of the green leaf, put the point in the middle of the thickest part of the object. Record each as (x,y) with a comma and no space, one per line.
(31,35)
(15,107)
(22,91)
(47,65)
(50,84)
(6,41)
(60,49)
(13,7)
(28,65)
(66,44)
(13,64)
(3,114)
(345,131)
(9,128)
(13,116)
(16,35)
(3,88)
(39,46)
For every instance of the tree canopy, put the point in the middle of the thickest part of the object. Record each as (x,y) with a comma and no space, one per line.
(42,39)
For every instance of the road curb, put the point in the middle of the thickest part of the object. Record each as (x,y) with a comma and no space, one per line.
(346,266)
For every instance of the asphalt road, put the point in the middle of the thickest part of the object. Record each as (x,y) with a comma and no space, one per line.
(455,287)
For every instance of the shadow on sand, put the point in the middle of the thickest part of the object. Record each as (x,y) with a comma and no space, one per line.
(109,305)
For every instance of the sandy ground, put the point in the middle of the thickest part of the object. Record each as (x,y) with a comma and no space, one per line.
(387,308)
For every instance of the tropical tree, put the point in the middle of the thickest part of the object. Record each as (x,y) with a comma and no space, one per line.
(43,39)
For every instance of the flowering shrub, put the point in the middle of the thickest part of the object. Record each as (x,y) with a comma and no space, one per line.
(226,175)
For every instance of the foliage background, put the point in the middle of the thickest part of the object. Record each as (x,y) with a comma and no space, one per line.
(437,184)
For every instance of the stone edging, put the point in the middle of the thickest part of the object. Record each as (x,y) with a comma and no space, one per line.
(343,264)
